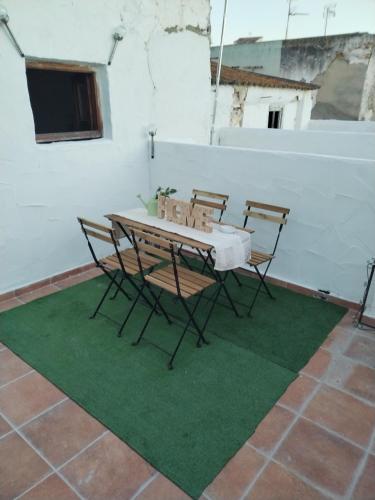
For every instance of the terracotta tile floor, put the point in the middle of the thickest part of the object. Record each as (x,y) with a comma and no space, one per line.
(317,442)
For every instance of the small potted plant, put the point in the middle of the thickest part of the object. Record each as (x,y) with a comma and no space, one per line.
(152,205)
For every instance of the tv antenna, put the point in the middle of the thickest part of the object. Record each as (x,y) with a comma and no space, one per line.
(292,12)
(329,11)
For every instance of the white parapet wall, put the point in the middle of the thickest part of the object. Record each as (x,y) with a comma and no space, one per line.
(330,234)
(348,144)
(160,74)
(342,126)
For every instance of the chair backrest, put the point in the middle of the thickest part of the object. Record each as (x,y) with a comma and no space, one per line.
(266,212)
(205,198)
(152,244)
(100,232)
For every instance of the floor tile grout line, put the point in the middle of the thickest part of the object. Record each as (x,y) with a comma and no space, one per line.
(335,356)
(324,381)
(281,440)
(206,496)
(361,466)
(44,478)
(17,378)
(33,292)
(73,284)
(272,459)
(299,414)
(341,389)
(363,334)
(336,434)
(357,361)
(53,284)
(82,450)
(145,484)
(42,413)
(308,481)
(337,351)
(363,448)
(349,393)
(6,434)
(50,465)
(12,307)
(368,333)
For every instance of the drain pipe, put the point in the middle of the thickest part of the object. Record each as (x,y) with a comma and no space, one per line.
(218,72)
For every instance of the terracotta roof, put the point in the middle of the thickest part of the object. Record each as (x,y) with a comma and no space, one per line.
(231,76)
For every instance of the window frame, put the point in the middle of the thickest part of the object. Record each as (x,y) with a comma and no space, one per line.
(94,100)
(273,109)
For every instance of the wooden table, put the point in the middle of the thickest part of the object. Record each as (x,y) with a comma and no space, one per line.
(231,250)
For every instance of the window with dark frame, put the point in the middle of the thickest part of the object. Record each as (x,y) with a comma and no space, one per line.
(274,119)
(65,102)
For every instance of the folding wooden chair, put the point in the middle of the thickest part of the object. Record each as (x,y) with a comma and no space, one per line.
(121,262)
(264,212)
(205,198)
(174,279)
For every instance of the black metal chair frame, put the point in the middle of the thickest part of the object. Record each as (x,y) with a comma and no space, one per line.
(190,313)
(262,277)
(125,276)
(370,276)
(207,259)
(195,201)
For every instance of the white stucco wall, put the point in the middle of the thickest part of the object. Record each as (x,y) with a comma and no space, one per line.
(367,110)
(331,230)
(296,106)
(224,105)
(342,126)
(160,74)
(347,144)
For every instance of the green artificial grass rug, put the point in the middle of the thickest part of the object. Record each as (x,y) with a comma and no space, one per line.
(187,422)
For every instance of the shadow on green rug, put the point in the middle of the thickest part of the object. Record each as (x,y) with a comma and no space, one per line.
(190,421)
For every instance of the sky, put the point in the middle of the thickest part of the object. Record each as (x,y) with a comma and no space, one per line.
(267,18)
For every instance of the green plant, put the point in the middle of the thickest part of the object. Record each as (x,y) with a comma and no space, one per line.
(164,192)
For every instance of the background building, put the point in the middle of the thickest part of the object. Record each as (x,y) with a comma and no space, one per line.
(342,65)
(247,99)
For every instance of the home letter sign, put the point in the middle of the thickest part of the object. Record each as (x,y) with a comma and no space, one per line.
(184,213)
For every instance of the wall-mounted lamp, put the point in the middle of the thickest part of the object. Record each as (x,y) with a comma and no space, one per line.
(117,36)
(4,19)
(152,132)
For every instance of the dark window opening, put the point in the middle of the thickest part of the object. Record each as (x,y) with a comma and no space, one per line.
(274,119)
(64,102)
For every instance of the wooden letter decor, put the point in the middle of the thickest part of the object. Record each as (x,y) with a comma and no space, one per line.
(161,207)
(203,217)
(183,212)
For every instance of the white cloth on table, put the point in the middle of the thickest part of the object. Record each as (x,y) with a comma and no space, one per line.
(231,250)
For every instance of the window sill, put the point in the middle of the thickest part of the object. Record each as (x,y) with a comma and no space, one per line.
(68,136)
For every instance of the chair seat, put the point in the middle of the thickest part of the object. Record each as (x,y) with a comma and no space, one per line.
(190,282)
(129,259)
(258,258)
